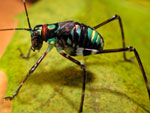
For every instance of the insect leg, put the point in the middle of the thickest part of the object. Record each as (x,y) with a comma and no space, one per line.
(22,55)
(122,50)
(84,77)
(29,73)
(136,55)
(138,59)
(121,28)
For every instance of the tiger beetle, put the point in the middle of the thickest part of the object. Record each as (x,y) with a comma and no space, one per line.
(73,39)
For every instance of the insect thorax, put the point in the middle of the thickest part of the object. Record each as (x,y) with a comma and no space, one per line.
(49,31)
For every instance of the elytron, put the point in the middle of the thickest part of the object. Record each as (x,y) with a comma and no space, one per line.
(73,39)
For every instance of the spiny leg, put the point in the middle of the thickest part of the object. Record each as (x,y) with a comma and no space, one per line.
(84,77)
(122,50)
(122,32)
(30,72)
(138,59)
(22,55)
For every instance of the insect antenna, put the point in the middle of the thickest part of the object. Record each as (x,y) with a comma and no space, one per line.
(27,29)
(27,14)
(15,29)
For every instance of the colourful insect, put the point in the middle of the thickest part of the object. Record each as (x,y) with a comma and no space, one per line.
(72,39)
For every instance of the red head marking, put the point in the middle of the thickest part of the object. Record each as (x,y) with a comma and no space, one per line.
(44,29)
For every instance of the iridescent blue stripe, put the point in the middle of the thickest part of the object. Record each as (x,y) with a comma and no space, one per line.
(78,30)
(89,33)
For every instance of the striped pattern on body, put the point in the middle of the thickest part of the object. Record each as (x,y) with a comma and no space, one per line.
(77,38)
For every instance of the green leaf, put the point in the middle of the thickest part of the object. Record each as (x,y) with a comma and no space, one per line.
(113,85)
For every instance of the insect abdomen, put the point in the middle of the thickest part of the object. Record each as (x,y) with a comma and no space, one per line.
(74,37)
(86,37)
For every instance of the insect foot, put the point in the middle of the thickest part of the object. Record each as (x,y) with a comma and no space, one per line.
(8,98)
(22,55)
(130,60)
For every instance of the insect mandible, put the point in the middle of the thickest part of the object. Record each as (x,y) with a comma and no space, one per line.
(73,39)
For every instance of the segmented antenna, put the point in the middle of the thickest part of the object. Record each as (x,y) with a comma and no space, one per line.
(27,29)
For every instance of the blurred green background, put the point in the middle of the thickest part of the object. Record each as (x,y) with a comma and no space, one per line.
(113,86)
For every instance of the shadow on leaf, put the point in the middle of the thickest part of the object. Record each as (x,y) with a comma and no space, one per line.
(65,77)
(71,77)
